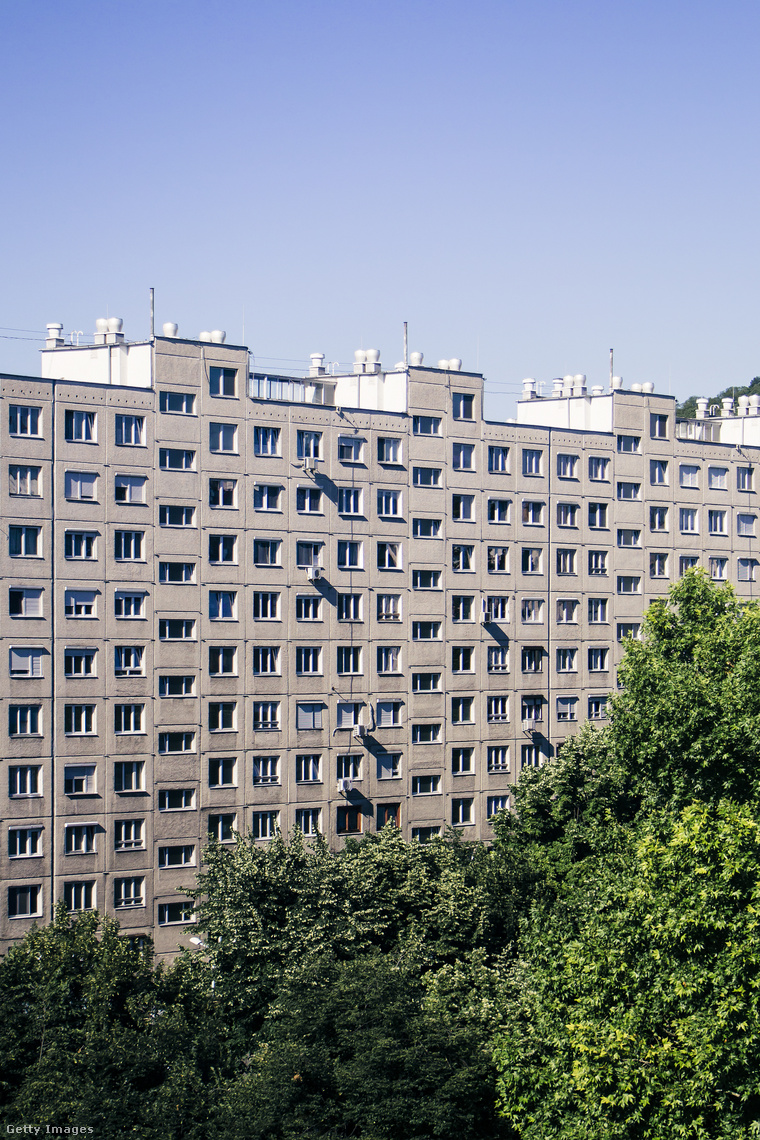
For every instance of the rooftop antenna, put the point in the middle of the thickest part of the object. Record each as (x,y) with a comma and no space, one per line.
(406,346)
(152,312)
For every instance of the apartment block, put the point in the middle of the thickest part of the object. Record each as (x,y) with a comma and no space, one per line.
(236,602)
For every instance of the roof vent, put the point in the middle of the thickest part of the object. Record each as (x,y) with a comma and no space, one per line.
(54,336)
(635,387)
(205,336)
(702,403)
(529,389)
(597,390)
(557,383)
(616,383)
(359,358)
(114,326)
(455,364)
(579,384)
(416,358)
(648,387)
(218,336)
(728,407)
(317,367)
(170,329)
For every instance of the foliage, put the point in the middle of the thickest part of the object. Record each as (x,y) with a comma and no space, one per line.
(688,409)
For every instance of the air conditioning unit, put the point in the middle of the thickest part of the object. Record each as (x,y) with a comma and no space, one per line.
(310,463)
(528,725)
(360,731)
(313,573)
(345,785)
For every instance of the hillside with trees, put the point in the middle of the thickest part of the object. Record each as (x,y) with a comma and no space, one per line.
(688,409)
(594,974)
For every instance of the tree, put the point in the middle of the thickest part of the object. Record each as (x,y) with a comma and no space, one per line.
(688,409)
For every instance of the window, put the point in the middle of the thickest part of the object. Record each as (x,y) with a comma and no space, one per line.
(308,444)
(79,780)
(426,528)
(426,476)
(498,510)
(24,780)
(24,842)
(388,606)
(266,441)
(308,607)
(78,485)
(266,551)
(531,461)
(597,562)
(567,466)
(628,584)
(221,662)
(425,834)
(25,541)
(349,501)
(221,548)
(128,605)
(532,659)
(308,821)
(265,824)
(628,491)
(308,554)
(25,662)
(128,893)
(426,631)
(389,658)
(388,450)
(266,659)
(658,518)
(77,663)
(130,431)
(658,565)
(497,758)
(719,569)
(349,659)
(745,524)
(426,579)
(628,537)
(176,913)
(80,427)
(462,659)
(223,493)
(79,896)
(597,516)
(222,605)
(716,522)
(350,607)
(530,757)
(566,561)
(462,761)
(130,488)
(349,766)
(628,629)
(266,770)
(426,733)
(223,438)
(388,555)
(350,449)
(79,720)
(688,520)
(389,504)
(266,716)
(531,560)
(222,716)
(567,611)
(567,708)
(28,603)
(598,469)
(688,562)
(349,820)
(24,420)
(25,720)
(628,443)
(176,516)
(495,804)
(25,901)
(463,405)
(717,478)
(497,709)
(597,611)
(597,660)
(532,610)
(79,839)
(308,768)
(567,660)
(461,812)
(308,501)
(79,544)
(176,685)
(266,606)
(498,659)
(308,659)
(426,785)
(426,682)
(128,544)
(179,856)
(222,381)
(744,478)
(658,426)
(176,799)
(462,608)
(177,403)
(597,708)
(567,514)
(532,513)
(462,559)
(173,742)
(658,472)
(688,475)
(426,425)
(532,709)
(349,555)
(176,459)
(463,508)
(463,457)
(128,835)
(498,460)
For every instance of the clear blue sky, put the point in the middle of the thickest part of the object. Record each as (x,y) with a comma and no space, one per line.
(526,183)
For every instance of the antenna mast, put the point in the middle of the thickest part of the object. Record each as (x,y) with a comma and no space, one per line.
(406,346)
